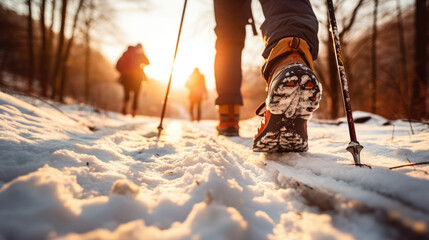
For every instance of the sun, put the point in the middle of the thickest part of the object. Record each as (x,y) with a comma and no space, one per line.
(196,47)
(189,56)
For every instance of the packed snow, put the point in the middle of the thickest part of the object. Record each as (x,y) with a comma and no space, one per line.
(61,180)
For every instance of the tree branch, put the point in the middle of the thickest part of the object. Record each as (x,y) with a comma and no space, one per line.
(352,19)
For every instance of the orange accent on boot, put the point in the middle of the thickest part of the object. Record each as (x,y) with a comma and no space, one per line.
(228,116)
(309,84)
(291,83)
(229,109)
(228,124)
(263,123)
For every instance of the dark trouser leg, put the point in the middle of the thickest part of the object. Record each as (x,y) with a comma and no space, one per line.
(199,110)
(289,18)
(191,109)
(126,98)
(231,18)
(136,96)
(126,93)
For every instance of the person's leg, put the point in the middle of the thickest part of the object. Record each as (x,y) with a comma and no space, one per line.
(284,21)
(199,110)
(191,109)
(231,19)
(136,97)
(127,90)
(290,34)
(125,106)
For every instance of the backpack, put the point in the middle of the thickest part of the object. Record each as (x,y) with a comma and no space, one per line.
(127,62)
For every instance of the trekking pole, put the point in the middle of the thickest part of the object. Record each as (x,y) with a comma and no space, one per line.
(160,128)
(354,147)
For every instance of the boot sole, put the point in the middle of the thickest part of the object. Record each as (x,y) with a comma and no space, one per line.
(296,94)
(229,132)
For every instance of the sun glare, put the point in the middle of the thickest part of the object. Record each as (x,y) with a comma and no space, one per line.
(189,56)
(196,47)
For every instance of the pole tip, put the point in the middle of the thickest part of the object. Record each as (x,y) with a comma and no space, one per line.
(355,148)
(160,128)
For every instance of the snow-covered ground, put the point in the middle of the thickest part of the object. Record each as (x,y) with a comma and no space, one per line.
(60,180)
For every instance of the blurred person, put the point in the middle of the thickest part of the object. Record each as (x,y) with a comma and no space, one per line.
(196,84)
(291,44)
(130,65)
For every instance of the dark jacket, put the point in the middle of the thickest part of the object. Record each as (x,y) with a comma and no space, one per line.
(130,65)
(197,86)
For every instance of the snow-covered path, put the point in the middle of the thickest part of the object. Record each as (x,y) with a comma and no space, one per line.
(59,180)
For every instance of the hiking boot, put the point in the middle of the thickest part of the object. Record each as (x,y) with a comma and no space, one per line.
(229,115)
(293,94)
(124,108)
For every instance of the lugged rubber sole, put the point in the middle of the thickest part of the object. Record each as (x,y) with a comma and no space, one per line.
(282,135)
(229,132)
(292,97)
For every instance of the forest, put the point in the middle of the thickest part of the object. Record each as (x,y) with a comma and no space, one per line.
(50,49)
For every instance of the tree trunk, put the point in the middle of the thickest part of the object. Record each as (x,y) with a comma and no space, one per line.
(59,53)
(373,89)
(64,77)
(43,50)
(67,52)
(49,47)
(419,82)
(87,65)
(403,79)
(88,24)
(5,56)
(30,47)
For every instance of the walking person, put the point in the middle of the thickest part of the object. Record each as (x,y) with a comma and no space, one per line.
(291,44)
(130,65)
(196,85)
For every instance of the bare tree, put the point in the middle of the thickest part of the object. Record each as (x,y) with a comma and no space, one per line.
(403,78)
(59,53)
(49,50)
(89,19)
(67,51)
(97,20)
(418,101)
(43,49)
(30,47)
(373,89)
